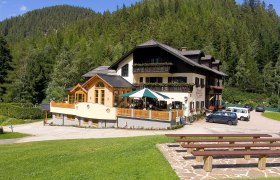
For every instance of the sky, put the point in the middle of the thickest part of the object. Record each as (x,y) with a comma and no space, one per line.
(9,8)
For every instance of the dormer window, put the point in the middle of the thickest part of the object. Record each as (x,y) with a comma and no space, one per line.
(125,70)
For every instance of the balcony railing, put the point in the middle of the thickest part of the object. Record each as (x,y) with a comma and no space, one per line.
(215,89)
(167,87)
(150,114)
(152,68)
(62,105)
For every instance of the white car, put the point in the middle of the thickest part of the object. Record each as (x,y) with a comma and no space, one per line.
(242,113)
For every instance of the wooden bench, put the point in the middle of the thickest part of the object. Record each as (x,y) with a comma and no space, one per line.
(229,140)
(247,147)
(220,136)
(208,156)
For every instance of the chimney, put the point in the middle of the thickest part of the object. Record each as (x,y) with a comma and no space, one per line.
(183,49)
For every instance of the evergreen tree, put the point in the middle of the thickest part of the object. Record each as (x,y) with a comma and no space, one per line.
(5,65)
(62,77)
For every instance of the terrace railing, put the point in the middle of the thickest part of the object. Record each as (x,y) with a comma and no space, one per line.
(150,114)
(62,105)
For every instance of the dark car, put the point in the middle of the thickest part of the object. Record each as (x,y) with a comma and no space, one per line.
(249,107)
(224,117)
(260,109)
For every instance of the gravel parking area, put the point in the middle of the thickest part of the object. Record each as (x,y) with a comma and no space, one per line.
(257,124)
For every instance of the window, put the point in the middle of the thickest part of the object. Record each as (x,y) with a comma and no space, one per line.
(125,70)
(197,82)
(156,60)
(85,121)
(176,105)
(71,99)
(202,104)
(177,79)
(96,96)
(202,82)
(153,79)
(80,97)
(99,84)
(102,96)
(71,117)
(58,116)
(141,80)
(191,105)
(197,105)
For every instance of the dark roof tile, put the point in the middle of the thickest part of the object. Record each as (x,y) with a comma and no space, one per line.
(116,81)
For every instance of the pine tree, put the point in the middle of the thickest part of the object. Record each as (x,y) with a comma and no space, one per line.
(5,65)
(62,77)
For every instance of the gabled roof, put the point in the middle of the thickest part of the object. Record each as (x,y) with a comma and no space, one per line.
(173,51)
(78,86)
(100,70)
(114,81)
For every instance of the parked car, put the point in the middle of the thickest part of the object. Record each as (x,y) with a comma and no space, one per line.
(248,106)
(260,108)
(224,117)
(242,113)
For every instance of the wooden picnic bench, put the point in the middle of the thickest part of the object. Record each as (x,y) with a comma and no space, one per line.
(208,156)
(220,136)
(229,140)
(247,147)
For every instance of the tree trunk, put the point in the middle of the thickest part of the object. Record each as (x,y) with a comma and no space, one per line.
(1,130)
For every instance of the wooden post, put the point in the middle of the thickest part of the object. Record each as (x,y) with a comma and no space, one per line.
(220,137)
(272,148)
(190,149)
(231,149)
(207,163)
(199,158)
(247,157)
(262,162)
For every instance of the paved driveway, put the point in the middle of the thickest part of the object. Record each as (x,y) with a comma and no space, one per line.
(257,124)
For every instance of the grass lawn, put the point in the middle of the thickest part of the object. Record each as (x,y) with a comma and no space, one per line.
(4,121)
(114,158)
(10,135)
(272,115)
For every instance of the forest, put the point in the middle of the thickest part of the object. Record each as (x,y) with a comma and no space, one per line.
(47,50)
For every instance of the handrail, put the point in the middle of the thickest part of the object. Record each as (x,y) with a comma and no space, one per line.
(150,114)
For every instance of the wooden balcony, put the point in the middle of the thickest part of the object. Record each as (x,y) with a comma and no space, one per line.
(150,114)
(166,87)
(62,105)
(152,68)
(214,89)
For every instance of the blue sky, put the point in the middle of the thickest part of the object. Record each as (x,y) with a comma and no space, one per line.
(10,8)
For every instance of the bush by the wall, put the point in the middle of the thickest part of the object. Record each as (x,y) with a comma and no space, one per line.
(20,111)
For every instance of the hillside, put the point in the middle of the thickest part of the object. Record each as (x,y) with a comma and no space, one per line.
(246,38)
(42,21)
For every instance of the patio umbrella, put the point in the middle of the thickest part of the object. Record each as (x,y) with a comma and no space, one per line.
(145,93)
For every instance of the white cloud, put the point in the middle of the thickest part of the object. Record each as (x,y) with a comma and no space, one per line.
(3,2)
(23,8)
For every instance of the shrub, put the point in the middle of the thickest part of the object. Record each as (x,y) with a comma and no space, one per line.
(20,111)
